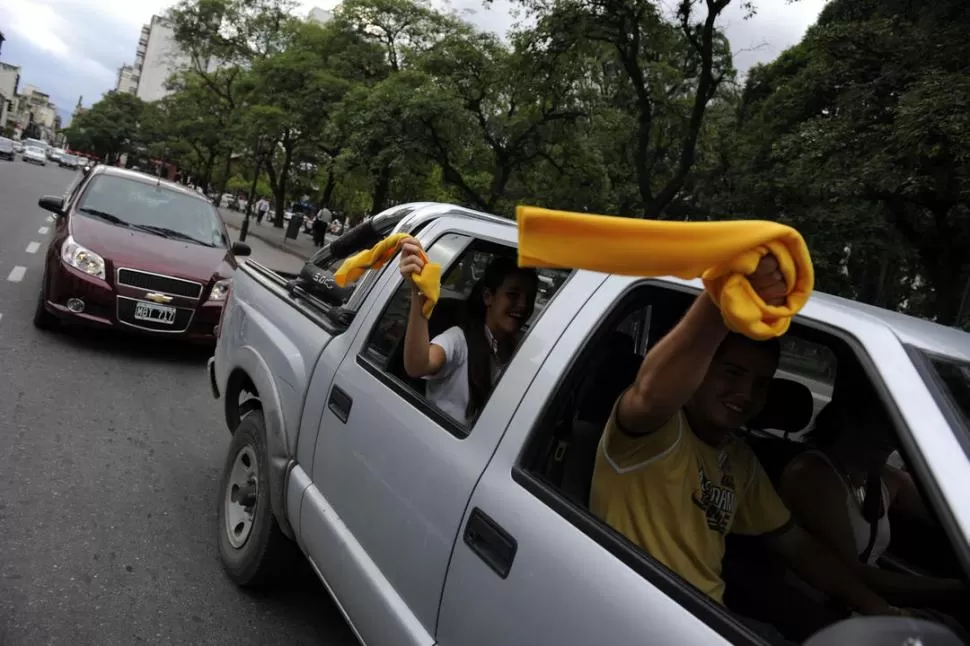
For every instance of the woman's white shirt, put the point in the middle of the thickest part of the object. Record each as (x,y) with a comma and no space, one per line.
(448,388)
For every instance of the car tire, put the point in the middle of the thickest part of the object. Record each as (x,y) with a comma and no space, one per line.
(43,320)
(253,548)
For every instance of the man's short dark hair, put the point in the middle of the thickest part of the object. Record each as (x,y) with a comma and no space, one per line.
(772,346)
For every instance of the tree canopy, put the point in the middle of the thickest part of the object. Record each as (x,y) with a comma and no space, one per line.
(859,135)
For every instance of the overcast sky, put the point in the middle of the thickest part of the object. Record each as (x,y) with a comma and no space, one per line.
(70,48)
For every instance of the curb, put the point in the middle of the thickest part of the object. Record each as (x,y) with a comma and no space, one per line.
(276,244)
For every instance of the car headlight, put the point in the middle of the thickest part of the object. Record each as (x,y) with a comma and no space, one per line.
(82,259)
(220,290)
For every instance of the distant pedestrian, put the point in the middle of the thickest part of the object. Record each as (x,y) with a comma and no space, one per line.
(262,208)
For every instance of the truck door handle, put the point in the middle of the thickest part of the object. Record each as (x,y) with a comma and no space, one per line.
(490,542)
(340,403)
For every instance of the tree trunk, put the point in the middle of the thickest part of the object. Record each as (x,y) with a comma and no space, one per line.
(382,187)
(328,189)
(225,176)
(963,314)
(278,181)
(948,287)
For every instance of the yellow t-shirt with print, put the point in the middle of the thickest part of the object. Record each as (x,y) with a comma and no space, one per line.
(678,497)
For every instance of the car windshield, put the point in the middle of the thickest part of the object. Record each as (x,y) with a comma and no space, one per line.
(5,143)
(35,149)
(68,157)
(153,208)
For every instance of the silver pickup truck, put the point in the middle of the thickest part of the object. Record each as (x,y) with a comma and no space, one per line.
(426,531)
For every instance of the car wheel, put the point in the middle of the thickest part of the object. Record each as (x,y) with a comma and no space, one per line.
(253,548)
(43,320)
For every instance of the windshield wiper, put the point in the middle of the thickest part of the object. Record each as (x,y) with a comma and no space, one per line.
(171,233)
(104,215)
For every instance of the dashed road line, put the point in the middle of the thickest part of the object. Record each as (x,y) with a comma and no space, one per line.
(50,218)
(17,274)
(32,247)
(43,231)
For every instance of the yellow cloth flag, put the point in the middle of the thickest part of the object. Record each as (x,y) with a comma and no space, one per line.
(428,281)
(723,254)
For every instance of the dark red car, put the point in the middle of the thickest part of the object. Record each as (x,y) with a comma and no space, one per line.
(136,252)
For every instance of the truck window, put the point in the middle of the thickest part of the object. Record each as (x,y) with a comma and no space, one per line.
(384,350)
(558,464)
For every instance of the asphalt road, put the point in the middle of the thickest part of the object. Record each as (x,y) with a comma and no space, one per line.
(110,451)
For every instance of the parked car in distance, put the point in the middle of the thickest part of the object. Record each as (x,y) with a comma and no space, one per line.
(131,251)
(67,160)
(7,150)
(432,530)
(34,155)
(18,146)
(54,154)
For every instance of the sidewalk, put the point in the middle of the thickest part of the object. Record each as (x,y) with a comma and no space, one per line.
(301,247)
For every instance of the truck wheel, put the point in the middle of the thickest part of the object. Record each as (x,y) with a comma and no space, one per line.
(251,544)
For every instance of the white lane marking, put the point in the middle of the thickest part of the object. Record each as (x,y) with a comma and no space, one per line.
(43,231)
(17,274)
(1,317)
(33,247)
(50,218)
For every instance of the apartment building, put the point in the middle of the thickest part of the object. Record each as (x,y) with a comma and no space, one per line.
(34,110)
(318,15)
(9,84)
(127,81)
(157,58)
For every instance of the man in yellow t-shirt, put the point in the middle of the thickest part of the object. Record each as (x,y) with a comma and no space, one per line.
(671,473)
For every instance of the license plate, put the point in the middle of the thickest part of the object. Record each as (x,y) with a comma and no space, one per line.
(154,313)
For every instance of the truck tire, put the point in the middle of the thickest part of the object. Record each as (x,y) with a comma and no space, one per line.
(252,547)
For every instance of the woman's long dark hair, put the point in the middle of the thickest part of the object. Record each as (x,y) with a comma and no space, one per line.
(473,326)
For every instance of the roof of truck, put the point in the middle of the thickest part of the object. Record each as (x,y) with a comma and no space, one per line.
(921,333)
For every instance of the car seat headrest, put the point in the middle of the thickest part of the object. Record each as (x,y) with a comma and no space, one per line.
(788,407)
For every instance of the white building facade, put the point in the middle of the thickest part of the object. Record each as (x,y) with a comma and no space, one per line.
(127,81)
(320,16)
(157,58)
(9,82)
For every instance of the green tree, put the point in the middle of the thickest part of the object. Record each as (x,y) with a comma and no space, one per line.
(294,93)
(859,137)
(654,78)
(222,40)
(111,127)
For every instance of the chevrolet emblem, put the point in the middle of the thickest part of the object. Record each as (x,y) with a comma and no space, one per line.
(158,298)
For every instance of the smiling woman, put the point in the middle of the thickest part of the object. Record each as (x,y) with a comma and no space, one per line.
(153,207)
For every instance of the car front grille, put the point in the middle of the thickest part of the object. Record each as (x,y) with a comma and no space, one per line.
(126,315)
(159,283)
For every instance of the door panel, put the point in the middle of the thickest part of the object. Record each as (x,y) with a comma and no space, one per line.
(390,485)
(561,588)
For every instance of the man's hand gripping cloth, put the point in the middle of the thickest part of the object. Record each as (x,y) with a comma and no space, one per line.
(723,254)
(428,281)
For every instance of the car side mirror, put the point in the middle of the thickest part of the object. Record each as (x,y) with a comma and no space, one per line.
(884,631)
(241,249)
(51,203)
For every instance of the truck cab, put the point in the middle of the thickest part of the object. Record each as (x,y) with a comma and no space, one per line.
(427,530)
